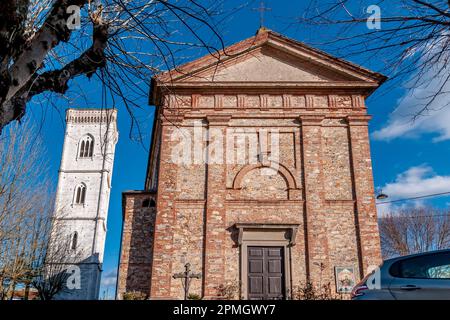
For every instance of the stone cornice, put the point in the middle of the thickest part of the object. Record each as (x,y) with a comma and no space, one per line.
(273,85)
(264,203)
(306,118)
(84,171)
(292,227)
(91,116)
(218,119)
(311,120)
(356,120)
(81,218)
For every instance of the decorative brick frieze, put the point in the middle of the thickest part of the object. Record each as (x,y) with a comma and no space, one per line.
(264,101)
(358,102)
(344,102)
(332,101)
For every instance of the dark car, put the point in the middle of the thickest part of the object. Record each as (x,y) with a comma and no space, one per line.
(424,276)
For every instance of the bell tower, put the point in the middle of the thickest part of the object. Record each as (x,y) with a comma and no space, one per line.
(82,197)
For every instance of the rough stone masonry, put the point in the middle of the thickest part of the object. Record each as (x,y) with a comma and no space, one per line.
(262,226)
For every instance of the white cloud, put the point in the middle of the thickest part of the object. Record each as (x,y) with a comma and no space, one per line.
(435,121)
(416,181)
(109,278)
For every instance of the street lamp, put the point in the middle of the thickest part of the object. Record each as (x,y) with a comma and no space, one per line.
(381,195)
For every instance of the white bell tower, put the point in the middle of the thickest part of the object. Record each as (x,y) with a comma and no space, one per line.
(82,197)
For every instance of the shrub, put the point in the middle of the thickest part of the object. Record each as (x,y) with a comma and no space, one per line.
(309,291)
(193,296)
(134,295)
(229,291)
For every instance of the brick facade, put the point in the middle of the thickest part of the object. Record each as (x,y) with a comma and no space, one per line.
(320,197)
(136,254)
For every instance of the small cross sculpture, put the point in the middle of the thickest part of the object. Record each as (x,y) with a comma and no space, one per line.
(187,276)
(262,8)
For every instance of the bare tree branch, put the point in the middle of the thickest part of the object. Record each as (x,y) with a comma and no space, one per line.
(413,39)
(414,230)
(129,40)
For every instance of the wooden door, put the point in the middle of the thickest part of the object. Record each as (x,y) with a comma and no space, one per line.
(265,273)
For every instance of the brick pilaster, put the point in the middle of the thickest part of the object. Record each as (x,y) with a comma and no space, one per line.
(365,210)
(316,238)
(163,238)
(215,228)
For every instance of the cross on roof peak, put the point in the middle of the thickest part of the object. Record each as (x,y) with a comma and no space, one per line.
(261,9)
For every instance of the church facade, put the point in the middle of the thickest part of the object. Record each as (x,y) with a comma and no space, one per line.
(259,176)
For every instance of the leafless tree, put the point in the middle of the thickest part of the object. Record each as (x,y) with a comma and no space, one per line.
(25,204)
(52,261)
(28,229)
(412,40)
(24,182)
(121,42)
(414,230)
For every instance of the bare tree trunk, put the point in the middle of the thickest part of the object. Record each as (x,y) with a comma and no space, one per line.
(27,291)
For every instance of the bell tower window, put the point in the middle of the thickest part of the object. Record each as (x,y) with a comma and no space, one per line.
(80,194)
(74,241)
(86,147)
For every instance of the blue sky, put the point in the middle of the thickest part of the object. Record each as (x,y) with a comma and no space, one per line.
(409,158)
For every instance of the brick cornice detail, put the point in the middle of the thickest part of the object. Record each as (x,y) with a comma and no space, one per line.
(264,203)
(242,227)
(169,120)
(311,120)
(361,120)
(218,120)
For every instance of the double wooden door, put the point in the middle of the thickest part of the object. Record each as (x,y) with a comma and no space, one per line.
(265,273)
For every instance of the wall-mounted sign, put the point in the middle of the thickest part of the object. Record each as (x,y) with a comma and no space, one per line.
(345,279)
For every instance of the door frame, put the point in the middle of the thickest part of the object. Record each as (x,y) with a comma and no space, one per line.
(266,235)
(244,265)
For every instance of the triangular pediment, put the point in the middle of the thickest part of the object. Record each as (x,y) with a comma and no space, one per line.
(266,59)
(267,64)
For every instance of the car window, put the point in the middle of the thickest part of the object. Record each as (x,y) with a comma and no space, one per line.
(431,266)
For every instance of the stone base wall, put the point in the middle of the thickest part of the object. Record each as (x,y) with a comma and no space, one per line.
(135,264)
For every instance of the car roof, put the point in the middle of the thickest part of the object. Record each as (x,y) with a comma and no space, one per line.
(388,261)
